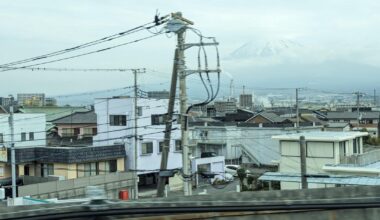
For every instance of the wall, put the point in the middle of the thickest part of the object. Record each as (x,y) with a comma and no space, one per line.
(75,188)
(108,135)
(24,123)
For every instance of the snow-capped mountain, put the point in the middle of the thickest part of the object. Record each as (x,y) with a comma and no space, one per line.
(271,48)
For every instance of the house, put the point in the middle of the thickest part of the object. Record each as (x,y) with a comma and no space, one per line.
(76,128)
(29,131)
(241,142)
(321,148)
(116,125)
(52,112)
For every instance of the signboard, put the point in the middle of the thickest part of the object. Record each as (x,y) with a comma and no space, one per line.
(3,154)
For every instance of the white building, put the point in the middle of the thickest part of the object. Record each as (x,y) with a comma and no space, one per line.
(321,148)
(254,144)
(29,130)
(115,119)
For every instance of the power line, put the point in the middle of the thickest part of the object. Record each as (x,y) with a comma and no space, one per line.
(88,44)
(83,54)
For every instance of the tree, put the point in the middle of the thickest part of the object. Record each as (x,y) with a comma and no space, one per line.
(242,174)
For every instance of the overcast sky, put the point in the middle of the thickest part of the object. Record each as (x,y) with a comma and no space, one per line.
(341,29)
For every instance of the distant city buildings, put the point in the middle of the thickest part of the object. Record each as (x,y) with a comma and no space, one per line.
(245,101)
(35,99)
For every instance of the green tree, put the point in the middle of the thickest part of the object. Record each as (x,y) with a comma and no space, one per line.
(242,174)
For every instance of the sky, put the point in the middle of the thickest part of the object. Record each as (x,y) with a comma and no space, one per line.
(340,42)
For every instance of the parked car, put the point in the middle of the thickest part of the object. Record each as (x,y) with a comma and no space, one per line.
(227,178)
(232,169)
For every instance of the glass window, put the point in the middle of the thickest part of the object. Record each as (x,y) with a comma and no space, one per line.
(118,120)
(67,132)
(178,145)
(139,111)
(158,119)
(160,146)
(23,136)
(1,138)
(47,169)
(147,148)
(31,136)
(112,166)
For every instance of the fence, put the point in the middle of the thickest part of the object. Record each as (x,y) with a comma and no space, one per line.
(362,159)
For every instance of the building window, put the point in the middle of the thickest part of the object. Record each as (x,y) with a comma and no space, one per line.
(88,131)
(23,136)
(1,138)
(178,145)
(139,111)
(27,170)
(158,119)
(112,166)
(118,120)
(356,145)
(67,132)
(91,169)
(147,148)
(31,136)
(47,169)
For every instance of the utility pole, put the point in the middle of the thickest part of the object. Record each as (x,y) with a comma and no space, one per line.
(178,25)
(168,127)
(374,98)
(13,153)
(358,95)
(303,162)
(136,109)
(297,111)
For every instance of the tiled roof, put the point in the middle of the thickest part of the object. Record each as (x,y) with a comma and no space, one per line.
(270,116)
(53,113)
(78,118)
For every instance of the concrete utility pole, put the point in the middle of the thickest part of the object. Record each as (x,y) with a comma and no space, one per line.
(13,153)
(303,162)
(178,25)
(168,128)
(297,110)
(136,109)
(358,95)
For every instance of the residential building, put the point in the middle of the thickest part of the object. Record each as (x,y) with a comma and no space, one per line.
(5,101)
(223,107)
(29,130)
(267,117)
(49,101)
(245,101)
(76,128)
(241,142)
(321,148)
(337,126)
(116,123)
(52,112)
(31,99)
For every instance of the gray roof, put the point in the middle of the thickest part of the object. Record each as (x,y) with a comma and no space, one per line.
(270,116)
(352,115)
(78,118)
(337,124)
(323,179)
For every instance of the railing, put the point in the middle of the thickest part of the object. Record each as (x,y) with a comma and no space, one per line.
(362,159)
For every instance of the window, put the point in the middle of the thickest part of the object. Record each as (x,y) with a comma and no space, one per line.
(1,138)
(178,145)
(23,136)
(355,146)
(88,131)
(342,148)
(158,119)
(31,136)
(91,169)
(27,170)
(147,148)
(67,132)
(47,169)
(139,111)
(112,166)
(118,120)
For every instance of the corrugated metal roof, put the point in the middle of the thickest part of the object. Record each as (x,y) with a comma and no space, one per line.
(322,179)
(53,113)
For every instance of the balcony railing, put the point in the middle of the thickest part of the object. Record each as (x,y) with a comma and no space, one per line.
(362,159)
